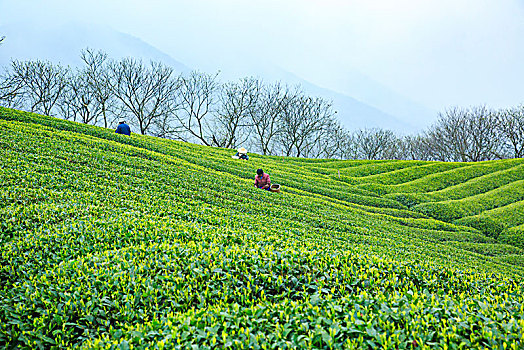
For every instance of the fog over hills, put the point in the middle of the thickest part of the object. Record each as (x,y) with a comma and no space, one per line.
(63,43)
(352,112)
(404,60)
(363,88)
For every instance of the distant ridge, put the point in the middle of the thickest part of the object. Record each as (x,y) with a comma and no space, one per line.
(352,112)
(63,43)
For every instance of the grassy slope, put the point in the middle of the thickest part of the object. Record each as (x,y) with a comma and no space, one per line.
(127,239)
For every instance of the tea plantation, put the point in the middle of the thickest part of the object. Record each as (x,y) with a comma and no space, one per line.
(115,242)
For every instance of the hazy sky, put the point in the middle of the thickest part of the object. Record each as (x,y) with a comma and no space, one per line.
(437,52)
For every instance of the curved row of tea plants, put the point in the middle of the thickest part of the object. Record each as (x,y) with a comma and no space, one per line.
(454,209)
(110,241)
(514,236)
(469,188)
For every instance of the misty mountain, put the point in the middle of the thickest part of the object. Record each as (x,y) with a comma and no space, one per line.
(352,113)
(356,114)
(371,92)
(63,44)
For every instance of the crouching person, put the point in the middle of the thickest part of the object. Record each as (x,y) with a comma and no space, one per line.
(241,154)
(262,180)
(123,128)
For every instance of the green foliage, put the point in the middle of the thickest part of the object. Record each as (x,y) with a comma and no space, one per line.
(373,168)
(440,210)
(509,215)
(408,174)
(410,199)
(482,184)
(469,188)
(489,226)
(137,242)
(458,174)
(473,205)
(494,221)
(513,236)
(489,249)
(513,259)
(327,322)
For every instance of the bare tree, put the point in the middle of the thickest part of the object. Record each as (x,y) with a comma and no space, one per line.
(272,118)
(11,90)
(335,142)
(321,123)
(303,123)
(68,103)
(237,100)
(197,96)
(484,134)
(376,143)
(465,135)
(266,118)
(2,39)
(448,137)
(97,74)
(42,83)
(415,147)
(351,148)
(79,100)
(511,127)
(146,93)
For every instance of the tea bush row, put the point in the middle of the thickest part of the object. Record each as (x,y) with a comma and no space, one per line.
(513,236)
(469,188)
(444,179)
(111,241)
(454,209)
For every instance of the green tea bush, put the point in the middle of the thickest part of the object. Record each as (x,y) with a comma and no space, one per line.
(408,174)
(130,242)
(410,199)
(459,174)
(443,211)
(513,236)
(513,259)
(369,167)
(482,184)
(334,167)
(489,226)
(473,205)
(322,322)
(489,249)
(469,188)
(506,217)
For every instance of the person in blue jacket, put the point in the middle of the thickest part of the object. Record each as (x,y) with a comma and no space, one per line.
(123,128)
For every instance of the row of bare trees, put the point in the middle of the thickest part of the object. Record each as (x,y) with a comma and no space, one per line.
(272,119)
(194,107)
(459,134)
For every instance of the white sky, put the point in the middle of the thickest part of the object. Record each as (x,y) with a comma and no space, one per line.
(437,52)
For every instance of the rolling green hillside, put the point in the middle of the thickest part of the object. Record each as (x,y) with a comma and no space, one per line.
(110,241)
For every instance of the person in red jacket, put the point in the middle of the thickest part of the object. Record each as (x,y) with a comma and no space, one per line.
(262,180)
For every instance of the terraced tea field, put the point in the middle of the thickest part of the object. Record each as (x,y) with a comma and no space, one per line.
(119,242)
